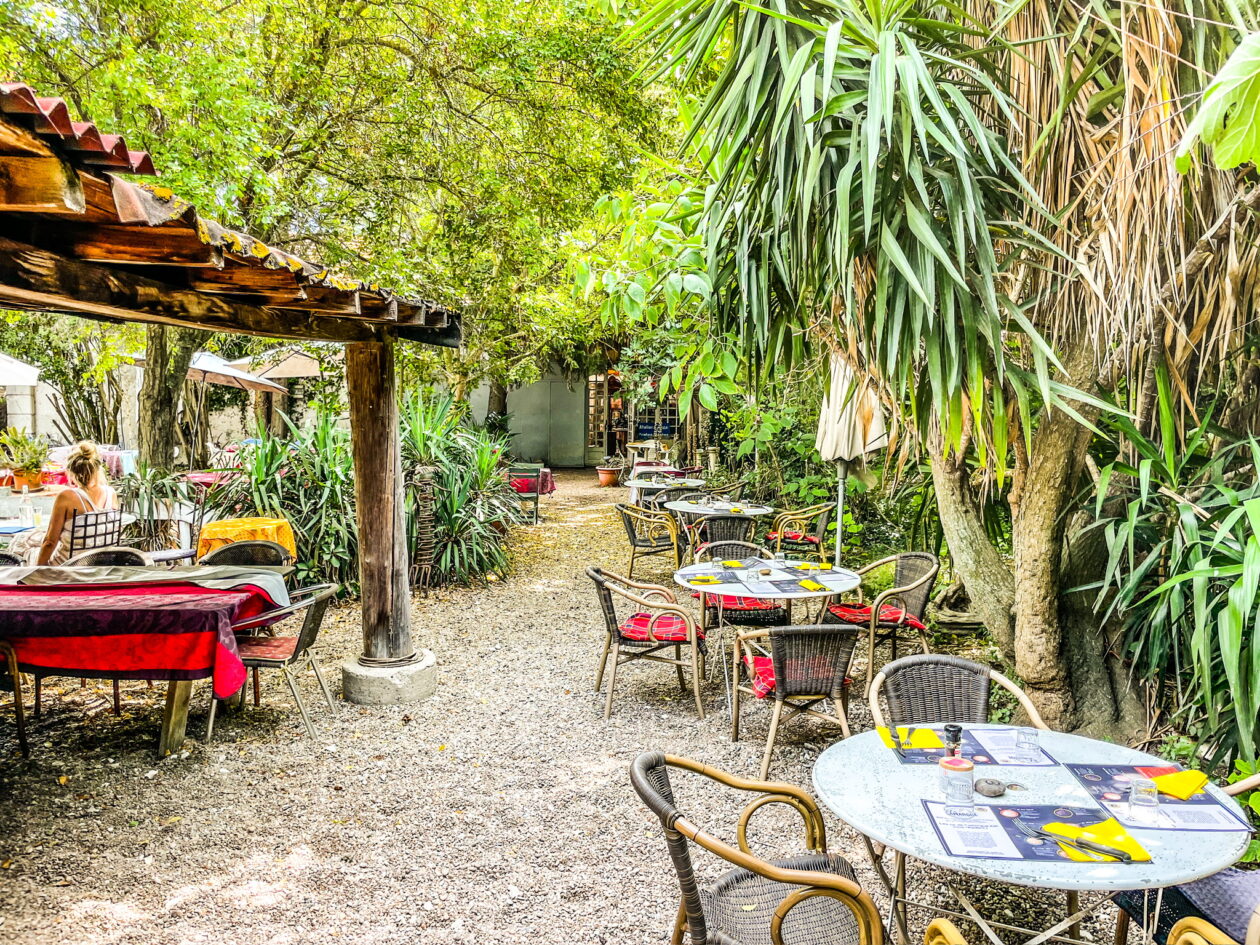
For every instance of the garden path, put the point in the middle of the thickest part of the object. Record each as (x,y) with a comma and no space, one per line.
(498,812)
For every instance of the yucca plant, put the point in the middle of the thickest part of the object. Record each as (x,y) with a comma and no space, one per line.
(1182,576)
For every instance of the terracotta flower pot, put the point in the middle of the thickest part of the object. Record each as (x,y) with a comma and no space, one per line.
(608,475)
(34,478)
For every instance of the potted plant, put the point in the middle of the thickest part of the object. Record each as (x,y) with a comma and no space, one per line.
(610,469)
(25,454)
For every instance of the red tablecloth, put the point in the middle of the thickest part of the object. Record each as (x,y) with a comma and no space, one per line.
(546,483)
(161,630)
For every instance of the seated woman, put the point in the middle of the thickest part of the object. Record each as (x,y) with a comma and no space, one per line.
(90,492)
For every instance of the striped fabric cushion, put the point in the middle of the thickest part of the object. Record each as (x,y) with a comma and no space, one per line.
(888,615)
(761,671)
(669,628)
(792,536)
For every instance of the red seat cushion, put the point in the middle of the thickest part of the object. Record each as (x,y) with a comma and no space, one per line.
(266,648)
(732,602)
(888,615)
(669,628)
(792,536)
(761,670)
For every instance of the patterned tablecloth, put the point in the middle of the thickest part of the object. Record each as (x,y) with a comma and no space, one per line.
(228,530)
(546,483)
(170,630)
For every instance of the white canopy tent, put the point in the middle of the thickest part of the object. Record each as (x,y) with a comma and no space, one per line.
(15,373)
(850,425)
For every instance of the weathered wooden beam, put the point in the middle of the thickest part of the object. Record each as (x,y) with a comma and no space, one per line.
(378,485)
(37,279)
(39,184)
(138,245)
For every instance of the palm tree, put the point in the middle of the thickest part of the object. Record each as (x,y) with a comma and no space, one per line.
(980,204)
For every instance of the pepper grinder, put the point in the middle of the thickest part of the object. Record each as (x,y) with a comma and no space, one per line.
(953,739)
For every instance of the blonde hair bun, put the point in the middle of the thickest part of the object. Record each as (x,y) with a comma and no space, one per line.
(84,463)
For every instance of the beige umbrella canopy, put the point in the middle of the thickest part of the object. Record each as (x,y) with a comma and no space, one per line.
(850,425)
(280,364)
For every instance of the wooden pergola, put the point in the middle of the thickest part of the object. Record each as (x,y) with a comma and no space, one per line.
(79,240)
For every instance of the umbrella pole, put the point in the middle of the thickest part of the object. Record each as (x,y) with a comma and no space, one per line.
(842,474)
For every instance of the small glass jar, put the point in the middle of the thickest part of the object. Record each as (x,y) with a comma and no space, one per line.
(958,786)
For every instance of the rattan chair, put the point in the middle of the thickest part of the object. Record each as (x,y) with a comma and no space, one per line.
(802,533)
(669,494)
(900,606)
(801,667)
(650,533)
(118,556)
(533,473)
(721,527)
(14,681)
(932,687)
(286,654)
(1221,909)
(8,560)
(814,899)
(719,609)
(90,530)
(655,623)
(250,552)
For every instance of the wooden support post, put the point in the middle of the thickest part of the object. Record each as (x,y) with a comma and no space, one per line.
(378,487)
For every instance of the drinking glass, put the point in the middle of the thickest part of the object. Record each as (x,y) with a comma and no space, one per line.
(1143,801)
(1028,745)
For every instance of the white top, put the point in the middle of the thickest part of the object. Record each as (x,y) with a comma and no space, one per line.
(781,584)
(672,481)
(722,507)
(868,787)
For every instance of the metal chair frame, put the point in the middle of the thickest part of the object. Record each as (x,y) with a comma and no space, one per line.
(532,471)
(812,520)
(90,530)
(650,533)
(649,775)
(910,595)
(656,600)
(314,601)
(780,639)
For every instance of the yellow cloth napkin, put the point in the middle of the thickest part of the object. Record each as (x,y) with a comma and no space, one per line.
(812,566)
(1109,832)
(1181,784)
(732,564)
(703,579)
(736,508)
(811,585)
(912,737)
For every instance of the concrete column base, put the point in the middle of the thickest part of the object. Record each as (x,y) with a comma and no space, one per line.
(390,685)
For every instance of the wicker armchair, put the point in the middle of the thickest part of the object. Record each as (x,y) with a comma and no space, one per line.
(805,900)
(721,527)
(9,560)
(802,667)
(650,533)
(249,552)
(117,556)
(931,687)
(669,494)
(657,623)
(1221,909)
(802,533)
(902,605)
(718,609)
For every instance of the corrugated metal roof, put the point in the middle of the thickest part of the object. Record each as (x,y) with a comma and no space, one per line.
(83,143)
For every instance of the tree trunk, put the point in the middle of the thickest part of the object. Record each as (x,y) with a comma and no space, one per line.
(987,575)
(497,404)
(168,352)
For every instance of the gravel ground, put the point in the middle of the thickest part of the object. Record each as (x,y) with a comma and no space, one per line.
(500,811)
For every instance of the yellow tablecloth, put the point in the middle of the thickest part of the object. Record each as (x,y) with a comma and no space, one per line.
(218,534)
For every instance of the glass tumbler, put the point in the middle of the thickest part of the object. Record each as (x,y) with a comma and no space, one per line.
(1028,745)
(1143,801)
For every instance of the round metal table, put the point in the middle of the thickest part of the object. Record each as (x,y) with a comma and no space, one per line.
(639,486)
(865,784)
(719,508)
